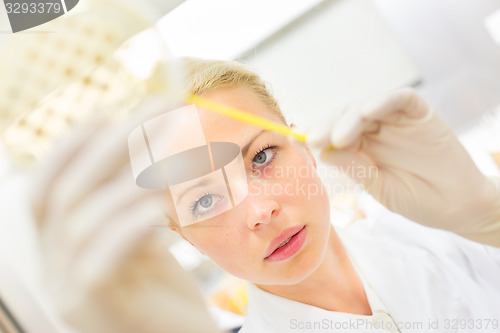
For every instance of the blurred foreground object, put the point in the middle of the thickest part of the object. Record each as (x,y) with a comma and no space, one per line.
(51,80)
(22,308)
(231,295)
(107,268)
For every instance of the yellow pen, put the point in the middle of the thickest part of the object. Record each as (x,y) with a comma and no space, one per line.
(244,116)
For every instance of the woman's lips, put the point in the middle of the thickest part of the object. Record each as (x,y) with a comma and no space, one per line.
(287,244)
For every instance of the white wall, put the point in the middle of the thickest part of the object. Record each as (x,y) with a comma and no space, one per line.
(224,29)
(338,53)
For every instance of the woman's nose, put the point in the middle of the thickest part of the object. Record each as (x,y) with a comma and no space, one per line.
(261,210)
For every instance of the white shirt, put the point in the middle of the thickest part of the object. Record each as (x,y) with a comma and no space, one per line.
(416,279)
(275,311)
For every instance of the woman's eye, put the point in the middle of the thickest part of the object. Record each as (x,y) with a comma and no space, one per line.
(206,201)
(205,204)
(263,157)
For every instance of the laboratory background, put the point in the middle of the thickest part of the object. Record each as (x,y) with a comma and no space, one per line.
(318,56)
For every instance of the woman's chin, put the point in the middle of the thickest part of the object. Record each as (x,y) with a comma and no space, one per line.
(300,269)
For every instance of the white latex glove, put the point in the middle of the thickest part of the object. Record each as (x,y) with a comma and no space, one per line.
(422,170)
(107,266)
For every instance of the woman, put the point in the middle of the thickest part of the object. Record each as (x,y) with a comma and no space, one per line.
(393,275)
(109,270)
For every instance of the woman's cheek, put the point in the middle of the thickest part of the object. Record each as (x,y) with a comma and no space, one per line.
(220,239)
(300,180)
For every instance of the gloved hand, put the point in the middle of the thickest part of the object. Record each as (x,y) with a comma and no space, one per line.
(106,261)
(410,160)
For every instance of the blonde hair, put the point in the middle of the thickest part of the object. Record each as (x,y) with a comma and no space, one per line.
(208,75)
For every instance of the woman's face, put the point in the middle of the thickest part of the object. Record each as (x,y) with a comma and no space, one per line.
(285,199)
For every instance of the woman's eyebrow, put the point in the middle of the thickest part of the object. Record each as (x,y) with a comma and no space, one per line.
(200,183)
(245,148)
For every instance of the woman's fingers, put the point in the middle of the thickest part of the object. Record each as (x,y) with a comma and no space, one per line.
(323,134)
(402,101)
(368,117)
(347,129)
(319,137)
(347,126)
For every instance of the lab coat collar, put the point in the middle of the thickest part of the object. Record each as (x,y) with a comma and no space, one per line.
(399,277)
(279,314)
(402,276)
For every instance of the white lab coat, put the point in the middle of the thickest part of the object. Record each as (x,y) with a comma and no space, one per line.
(421,275)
